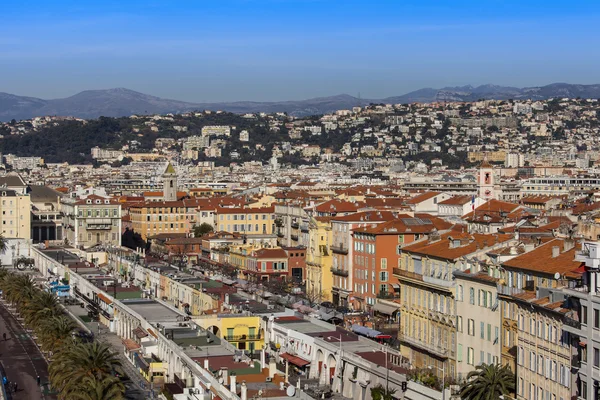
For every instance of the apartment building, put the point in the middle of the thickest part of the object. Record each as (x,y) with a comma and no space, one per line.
(477,321)
(91,221)
(247,221)
(153,218)
(319,276)
(343,256)
(16,214)
(428,333)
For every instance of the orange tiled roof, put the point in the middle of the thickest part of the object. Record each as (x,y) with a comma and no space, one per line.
(469,243)
(422,197)
(540,260)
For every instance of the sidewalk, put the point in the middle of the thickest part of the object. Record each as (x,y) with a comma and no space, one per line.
(138,386)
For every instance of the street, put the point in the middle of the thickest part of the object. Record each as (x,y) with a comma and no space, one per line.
(21,358)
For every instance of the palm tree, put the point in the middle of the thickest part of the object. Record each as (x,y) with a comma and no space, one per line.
(18,289)
(42,307)
(82,360)
(380,393)
(104,388)
(56,333)
(488,382)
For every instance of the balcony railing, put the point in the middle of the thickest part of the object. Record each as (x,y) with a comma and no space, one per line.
(388,295)
(436,350)
(295,225)
(339,249)
(339,272)
(241,338)
(294,237)
(576,361)
(407,274)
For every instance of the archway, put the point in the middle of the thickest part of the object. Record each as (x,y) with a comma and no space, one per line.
(214,330)
(331,364)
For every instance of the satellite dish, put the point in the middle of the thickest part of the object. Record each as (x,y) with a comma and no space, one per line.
(557,276)
(290,391)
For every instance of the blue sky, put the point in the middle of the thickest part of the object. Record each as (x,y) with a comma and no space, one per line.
(223,50)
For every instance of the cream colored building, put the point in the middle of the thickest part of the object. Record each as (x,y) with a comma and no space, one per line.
(16,214)
(478,321)
(319,277)
(91,221)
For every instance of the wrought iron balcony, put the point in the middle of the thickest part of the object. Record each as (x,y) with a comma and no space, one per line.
(339,272)
(242,338)
(339,249)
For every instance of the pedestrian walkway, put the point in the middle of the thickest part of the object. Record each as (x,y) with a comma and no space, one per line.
(21,358)
(138,389)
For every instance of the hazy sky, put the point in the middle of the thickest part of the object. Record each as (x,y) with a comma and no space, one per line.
(201,50)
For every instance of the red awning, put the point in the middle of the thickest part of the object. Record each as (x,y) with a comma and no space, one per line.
(580,269)
(300,362)
(582,344)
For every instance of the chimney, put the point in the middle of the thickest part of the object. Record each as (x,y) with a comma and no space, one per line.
(272,367)
(555,251)
(233,383)
(244,391)
(206,367)
(225,374)
(568,244)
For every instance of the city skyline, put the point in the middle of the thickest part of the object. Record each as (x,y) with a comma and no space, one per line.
(289,50)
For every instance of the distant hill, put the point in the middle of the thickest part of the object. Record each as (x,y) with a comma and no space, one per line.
(123,102)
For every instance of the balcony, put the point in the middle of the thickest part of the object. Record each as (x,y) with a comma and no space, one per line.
(279,234)
(339,272)
(295,225)
(294,237)
(400,273)
(242,338)
(339,249)
(388,295)
(304,228)
(576,361)
(572,326)
(438,282)
(435,350)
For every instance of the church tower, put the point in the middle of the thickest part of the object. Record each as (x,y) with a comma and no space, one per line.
(485,181)
(169,178)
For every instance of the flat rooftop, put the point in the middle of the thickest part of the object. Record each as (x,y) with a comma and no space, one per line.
(151,310)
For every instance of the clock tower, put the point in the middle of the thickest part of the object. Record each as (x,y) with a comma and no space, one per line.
(485,181)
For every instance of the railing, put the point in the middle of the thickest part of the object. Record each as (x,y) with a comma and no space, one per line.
(576,361)
(572,323)
(295,225)
(438,281)
(340,249)
(438,351)
(279,234)
(339,272)
(407,274)
(238,338)
(304,228)
(294,237)
(388,295)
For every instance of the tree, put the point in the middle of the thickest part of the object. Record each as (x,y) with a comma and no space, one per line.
(380,393)
(132,240)
(488,382)
(202,229)
(3,244)
(103,388)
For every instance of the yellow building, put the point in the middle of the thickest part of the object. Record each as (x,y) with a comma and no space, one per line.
(492,156)
(241,331)
(16,214)
(247,221)
(319,278)
(152,218)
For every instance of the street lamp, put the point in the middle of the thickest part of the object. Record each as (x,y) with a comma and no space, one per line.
(339,339)
(443,369)
(384,349)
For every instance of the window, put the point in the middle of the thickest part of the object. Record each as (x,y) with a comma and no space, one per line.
(459,355)
(596,358)
(540,366)
(482,357)
(532,361)
(459,294)
(482,330)
(471,327)
(489,300)
(384,263)
(470,356)
(489,332)
(532,326)
(459,323)
(471,296)
(596,318)
(540,330)
(584,315)
(383,276)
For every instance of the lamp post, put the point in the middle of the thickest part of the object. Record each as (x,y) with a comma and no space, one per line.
(384,349)
(443,369)
(341,369)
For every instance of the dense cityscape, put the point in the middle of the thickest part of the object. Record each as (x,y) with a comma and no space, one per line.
(394,248)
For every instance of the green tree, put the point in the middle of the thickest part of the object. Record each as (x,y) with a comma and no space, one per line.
(488,382)
(380,393)
(202,229)
(103,388)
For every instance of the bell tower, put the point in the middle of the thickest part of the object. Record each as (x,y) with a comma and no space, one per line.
(169,178)
(485,180)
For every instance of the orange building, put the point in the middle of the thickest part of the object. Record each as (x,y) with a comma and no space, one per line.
(377,251)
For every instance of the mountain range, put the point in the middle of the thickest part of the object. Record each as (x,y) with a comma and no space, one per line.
(124,102)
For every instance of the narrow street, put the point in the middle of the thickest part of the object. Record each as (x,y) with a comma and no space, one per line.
(21,359)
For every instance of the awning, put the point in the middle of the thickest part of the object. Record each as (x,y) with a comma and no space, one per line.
(300,362)
(131,345)
(140,333)
(385,308)
(363,330)
(104,298)
(396,286)
(140,362)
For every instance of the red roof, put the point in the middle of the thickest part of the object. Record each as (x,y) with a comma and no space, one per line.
(422,197)
(300,362)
